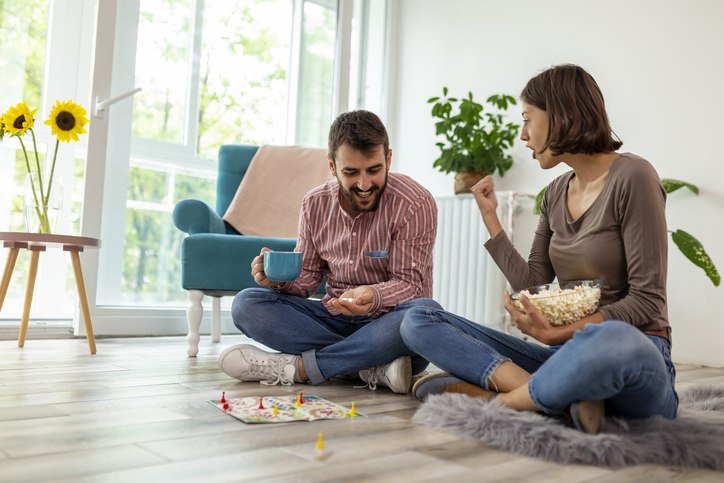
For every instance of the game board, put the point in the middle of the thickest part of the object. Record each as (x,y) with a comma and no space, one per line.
(261,409)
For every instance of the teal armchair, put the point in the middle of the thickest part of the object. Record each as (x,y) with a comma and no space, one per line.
(215,258)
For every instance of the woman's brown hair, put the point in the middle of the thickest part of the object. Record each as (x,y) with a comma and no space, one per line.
(577,119)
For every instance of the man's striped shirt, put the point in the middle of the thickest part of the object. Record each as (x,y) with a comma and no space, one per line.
(389,249)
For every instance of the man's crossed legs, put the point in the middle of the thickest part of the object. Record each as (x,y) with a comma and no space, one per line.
(315,346)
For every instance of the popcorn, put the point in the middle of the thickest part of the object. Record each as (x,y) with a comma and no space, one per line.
(563,306)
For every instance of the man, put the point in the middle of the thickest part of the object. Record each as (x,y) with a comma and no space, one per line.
(371,234)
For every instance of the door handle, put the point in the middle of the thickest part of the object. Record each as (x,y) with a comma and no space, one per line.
(101,106)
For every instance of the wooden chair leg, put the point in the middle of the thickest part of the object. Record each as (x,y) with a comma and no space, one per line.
(32,272)
(194,313)
(7,273)
(216,319)
(83,301)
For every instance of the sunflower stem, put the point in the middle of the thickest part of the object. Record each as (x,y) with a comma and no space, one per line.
(44,223)
(52,171)
(32,184)
(37,162)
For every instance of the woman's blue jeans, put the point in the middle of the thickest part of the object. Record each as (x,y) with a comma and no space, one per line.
(330,345)
(612,361)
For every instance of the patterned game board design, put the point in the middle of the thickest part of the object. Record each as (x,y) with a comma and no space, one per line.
(247,409)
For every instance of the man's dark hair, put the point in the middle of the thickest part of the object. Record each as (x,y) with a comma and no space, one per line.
(577,119)
(362,130)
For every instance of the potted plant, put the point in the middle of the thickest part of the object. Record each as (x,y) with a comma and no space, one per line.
(477,140)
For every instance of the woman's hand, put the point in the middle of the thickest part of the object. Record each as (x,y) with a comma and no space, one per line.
(484,193)
(532,322)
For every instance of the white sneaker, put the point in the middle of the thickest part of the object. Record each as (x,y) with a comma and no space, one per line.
(397,375)
(246,362)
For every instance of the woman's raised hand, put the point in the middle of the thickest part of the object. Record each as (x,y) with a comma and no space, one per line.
(484,193)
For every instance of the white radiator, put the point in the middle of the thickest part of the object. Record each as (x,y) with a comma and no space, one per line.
(466,281)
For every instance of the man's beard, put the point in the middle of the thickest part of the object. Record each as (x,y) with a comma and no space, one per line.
(353,202)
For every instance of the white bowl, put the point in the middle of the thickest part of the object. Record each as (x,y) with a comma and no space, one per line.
(562,303)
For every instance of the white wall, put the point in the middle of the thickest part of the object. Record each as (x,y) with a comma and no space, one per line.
(661,68)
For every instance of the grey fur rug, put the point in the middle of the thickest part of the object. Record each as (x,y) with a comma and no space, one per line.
(694,439)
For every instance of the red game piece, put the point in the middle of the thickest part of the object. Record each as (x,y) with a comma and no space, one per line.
(261,406)
(223,399)
(300,399)
(226,406)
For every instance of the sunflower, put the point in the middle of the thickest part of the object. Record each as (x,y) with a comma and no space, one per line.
(67,120)
(18,119)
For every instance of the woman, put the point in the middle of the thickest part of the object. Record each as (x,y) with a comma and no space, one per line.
(602,220)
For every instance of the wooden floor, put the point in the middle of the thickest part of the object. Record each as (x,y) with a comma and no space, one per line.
(137,412)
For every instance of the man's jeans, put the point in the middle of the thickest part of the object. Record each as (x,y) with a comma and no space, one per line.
(329,345)
(612,360)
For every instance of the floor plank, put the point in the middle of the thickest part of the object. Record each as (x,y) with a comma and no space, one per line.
(138,411)
(75,465)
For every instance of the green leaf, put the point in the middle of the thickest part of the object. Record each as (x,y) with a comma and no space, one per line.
(670,185)
(432,99)
(694,251)
(444,91)
(538,201)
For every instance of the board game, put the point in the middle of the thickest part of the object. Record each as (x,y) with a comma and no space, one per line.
(278,409)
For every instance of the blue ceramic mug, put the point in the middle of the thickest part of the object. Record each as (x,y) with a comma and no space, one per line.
(282,266)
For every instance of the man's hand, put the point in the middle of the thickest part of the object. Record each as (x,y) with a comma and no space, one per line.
(257,271)
(356,301)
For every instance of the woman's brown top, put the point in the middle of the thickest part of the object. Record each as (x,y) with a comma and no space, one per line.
(620,239)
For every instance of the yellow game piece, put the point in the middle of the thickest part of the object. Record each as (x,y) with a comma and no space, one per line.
(275,411)
(299,400)
(320,443)
(352,413)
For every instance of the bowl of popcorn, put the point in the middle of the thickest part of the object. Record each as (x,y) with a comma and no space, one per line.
(562,303)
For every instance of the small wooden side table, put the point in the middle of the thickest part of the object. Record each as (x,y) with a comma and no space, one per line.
(36,243)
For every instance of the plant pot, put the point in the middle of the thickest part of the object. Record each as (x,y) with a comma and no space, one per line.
(464,180)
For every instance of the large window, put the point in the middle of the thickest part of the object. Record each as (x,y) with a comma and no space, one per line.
(215,72)
(211,72)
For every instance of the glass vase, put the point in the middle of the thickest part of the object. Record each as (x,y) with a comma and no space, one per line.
(41,214)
